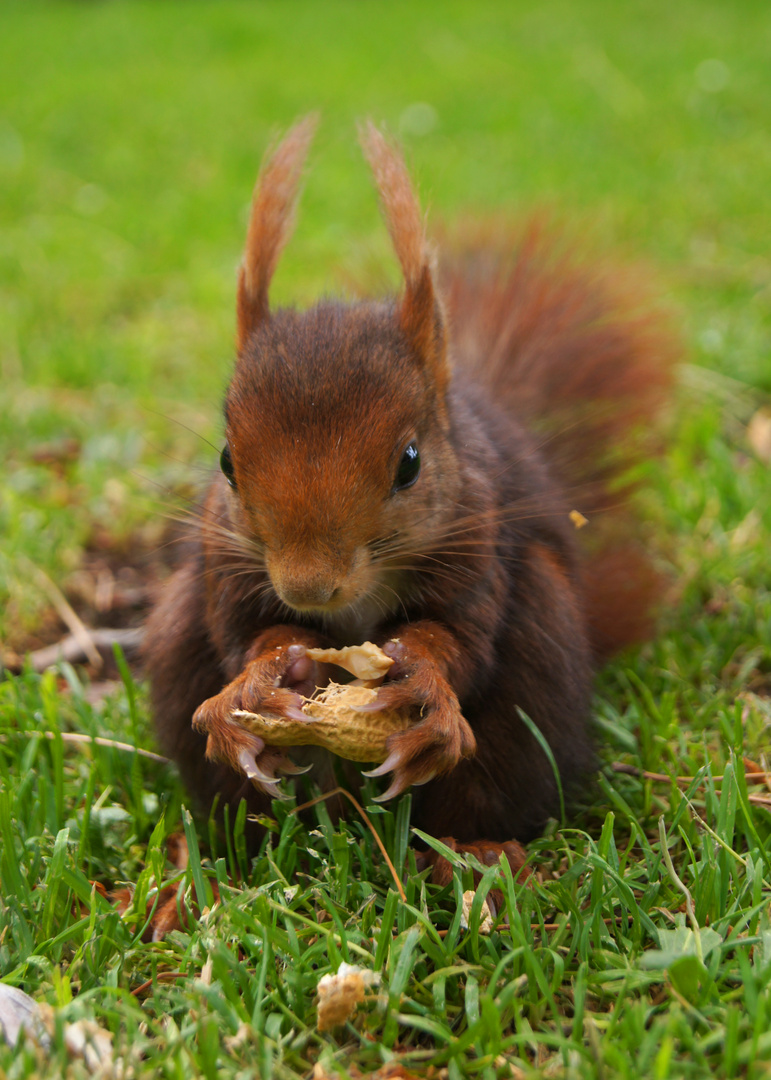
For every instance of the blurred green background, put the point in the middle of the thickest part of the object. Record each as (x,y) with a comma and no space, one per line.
(130,136)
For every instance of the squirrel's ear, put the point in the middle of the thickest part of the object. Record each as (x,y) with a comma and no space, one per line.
(270,225)
(420,312)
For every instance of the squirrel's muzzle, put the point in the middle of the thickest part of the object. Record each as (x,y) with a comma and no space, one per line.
(308,584)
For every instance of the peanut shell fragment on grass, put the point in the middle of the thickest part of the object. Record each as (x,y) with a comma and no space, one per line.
(340,994)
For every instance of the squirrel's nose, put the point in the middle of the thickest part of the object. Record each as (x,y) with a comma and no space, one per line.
(305,588)
(303,595)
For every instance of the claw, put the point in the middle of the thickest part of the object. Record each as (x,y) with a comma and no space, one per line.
(424,779)
(253,772)
(276,792)
(371,706)
(396,788)
(390,763)
(258,776)
(273,789)
(290,769)
(399,783)
(296,714)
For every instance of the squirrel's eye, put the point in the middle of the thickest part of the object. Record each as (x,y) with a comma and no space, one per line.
(409,467)
(226,464)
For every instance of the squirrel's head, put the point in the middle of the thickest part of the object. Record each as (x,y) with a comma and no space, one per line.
(338,452)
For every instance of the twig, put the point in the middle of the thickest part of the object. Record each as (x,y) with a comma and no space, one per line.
(754,775)
(78,737)
(663,778)
(370,826)
(162,976)
(550,927)
(72,649)
(68,616)
(760,800)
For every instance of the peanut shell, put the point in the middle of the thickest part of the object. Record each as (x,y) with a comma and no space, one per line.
(365,661)
(340,994)
(334,723)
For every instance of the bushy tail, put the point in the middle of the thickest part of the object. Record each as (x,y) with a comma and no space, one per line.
(581,355)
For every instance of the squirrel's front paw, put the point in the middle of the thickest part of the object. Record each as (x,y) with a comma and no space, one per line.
(264,686)
(437,742)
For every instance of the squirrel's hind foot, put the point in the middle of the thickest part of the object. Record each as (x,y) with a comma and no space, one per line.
(488,853)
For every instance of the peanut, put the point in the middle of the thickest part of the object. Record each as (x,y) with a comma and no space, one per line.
(365,661)
(334,721)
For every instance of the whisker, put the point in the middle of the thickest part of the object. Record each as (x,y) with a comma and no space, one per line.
(185,427)
(399,599)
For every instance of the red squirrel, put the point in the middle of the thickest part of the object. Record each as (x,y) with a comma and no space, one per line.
(403,471)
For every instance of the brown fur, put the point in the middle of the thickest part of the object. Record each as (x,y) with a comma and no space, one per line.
(524,402)
(270,226)
(420,315)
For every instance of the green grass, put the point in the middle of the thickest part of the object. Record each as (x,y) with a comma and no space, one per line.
(597,972)
(129,141)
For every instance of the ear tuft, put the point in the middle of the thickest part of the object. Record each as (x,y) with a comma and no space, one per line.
(270,225)
(400,206)
(420,312)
